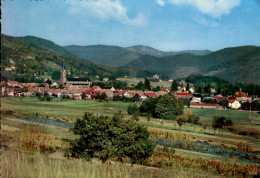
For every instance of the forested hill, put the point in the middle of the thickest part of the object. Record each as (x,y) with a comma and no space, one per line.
(32,62)
(233,64)
(46,44)
(119,56)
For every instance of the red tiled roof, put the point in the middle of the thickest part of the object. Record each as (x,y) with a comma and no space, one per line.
(203,104)
(150,94)
(183,93)
(13,83)
(241,94)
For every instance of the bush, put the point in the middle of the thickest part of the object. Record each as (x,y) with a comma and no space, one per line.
(104,137)
(133,109)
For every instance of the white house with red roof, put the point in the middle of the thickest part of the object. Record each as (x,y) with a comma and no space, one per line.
(242,97)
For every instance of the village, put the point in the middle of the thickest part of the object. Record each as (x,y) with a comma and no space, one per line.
(82,92)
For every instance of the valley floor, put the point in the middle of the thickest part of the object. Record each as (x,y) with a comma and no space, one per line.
(32,148)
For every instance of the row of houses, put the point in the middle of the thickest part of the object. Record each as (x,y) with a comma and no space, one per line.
(14,88)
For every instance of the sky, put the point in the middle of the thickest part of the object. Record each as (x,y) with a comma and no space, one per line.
(168,25)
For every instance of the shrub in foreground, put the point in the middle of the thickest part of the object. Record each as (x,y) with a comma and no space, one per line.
(110,137)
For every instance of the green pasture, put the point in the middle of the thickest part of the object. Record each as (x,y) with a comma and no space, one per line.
(65,109)
(238,117)
(75,109)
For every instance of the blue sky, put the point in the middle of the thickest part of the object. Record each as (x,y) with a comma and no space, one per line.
(168,25)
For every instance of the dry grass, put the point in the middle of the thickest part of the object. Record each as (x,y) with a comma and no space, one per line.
(38,141)
(17,164)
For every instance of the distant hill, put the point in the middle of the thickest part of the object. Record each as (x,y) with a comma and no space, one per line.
(102,54)
(32,62)
(46,44)
(119,56)
(233,64)
(146,50)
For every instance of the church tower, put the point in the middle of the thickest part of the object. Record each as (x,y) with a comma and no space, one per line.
(63,78)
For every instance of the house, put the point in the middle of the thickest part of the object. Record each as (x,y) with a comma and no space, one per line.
(234,104)
(196,98)
(156,77)
(55,91)
(110,88)
(10,91)
(13,84)
(183,95)
(105,79)
(79,81)
(150,94)
(204,105)
(242,97)
(192,90)
(219,98)
(8,68)
(54,84)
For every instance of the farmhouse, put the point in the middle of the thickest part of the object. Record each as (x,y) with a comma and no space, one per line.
(234,104)
(242,97)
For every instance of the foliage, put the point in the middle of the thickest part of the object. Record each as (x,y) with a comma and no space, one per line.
(168,107)
(133,109)
(254,106)
(223,103)
(105,137)
(147,84)
(174,86)
(242,130)
(148,106)
(221,122)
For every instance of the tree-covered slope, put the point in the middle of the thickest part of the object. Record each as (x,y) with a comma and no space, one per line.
(119,56)
(102,54)
(46,44)
(32,62)
(146,50)
(233,64)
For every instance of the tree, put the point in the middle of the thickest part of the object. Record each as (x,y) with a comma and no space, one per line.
(135,98)
(158,88)
(223,103)
(207,89)
(188,86)
(148,106)
(104,137)
(168,107)
(220,123)
(174,86)
(181,120)
(133,109)
(140,86)
(147,84)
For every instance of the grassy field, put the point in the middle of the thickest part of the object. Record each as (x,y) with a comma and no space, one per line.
(184,141)
(67,108)
(75,109)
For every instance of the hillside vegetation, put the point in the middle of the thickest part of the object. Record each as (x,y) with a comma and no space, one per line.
(233,64)
(32,62)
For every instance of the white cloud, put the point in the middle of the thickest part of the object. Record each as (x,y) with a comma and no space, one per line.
(105,9)
(214,8)
(160,2)
(205,22)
